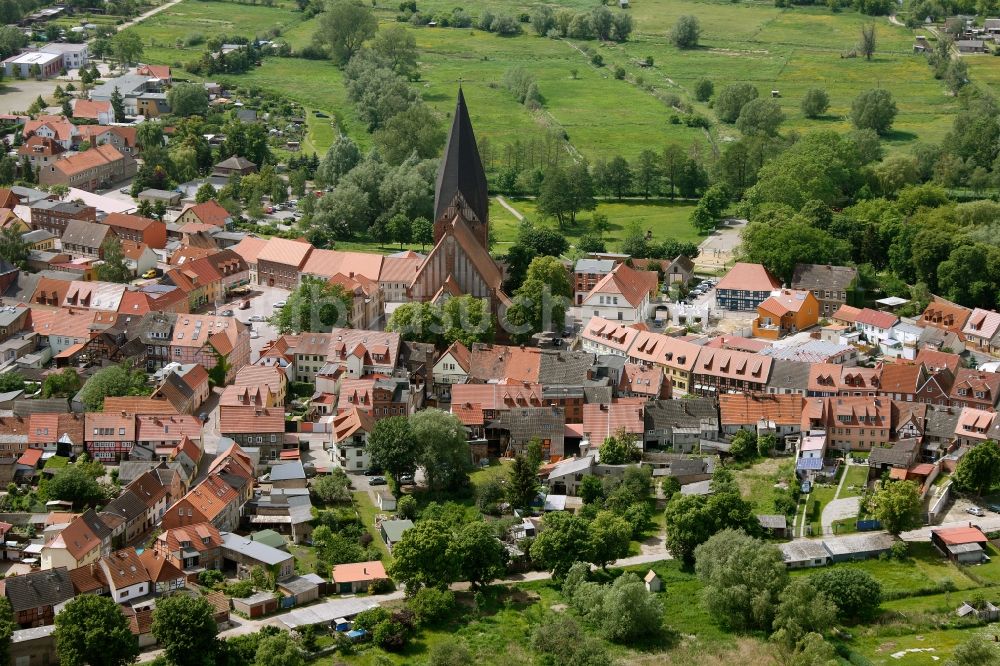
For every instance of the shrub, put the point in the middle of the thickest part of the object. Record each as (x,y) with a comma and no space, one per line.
(406,507)
(619,73)
(380,586)
(240,590)
(389,635)
(210,577)
(703,90)
(431,605)
(597,60)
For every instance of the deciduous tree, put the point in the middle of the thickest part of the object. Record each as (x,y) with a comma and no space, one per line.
(185,627)
(93,630)
(344,27)
(418,559)
(856,593)
(392,447)
(731,100)
(686,32)
(897,506)
(979,469)
(874,109)
(443,449)
(564,540)
(480,555)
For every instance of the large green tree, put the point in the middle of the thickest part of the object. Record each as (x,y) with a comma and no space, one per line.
(188,99)
(897,505)
(74,484)
(278,650)
(564,539)
(742,578)
(127,47)
(481,556)
(565,192)
(392,447)
(802,609)
(114,380)
(419,559)
(314,306)
(443,449)
(13,248)
(610,537)
(185,627)
(522,482)
(693,519)
(731,100)
(856,593)
(979,469)
(92,630)
(780,244)
(344,27)
(7,627)
(113,268)
(874,109)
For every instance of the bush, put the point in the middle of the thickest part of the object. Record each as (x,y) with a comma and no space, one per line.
(899,550)
(620,73)
(431,605)
(240,590)
(855,592)
(597,60)
(380,586)
(389,635)
(703,90)
(210,577)
(406,507)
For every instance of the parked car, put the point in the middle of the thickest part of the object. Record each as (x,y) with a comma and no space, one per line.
(372,472)
(280,304)
(151,273)
(126,190)
(377,481)
(975,511)
(225,313)
(254,335)
(245,304)
(258,318)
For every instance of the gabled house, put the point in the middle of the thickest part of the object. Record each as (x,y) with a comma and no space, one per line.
(83,541)
(126,516)
(587,273)
(974,388)
(258,427)
(126,577)
(831,285)
(719,371)
(945,315)
(973,426)
(982,330)
(138,229)
(34,596)
(875,325)
(98,167)
(450,369)
(780,415)
(745,287)
(349,436)
(624,294)
(850,423)
(165,577)
(192,548)
(210,213)
(84,239)
(784,313)
(211,501)
(186,388)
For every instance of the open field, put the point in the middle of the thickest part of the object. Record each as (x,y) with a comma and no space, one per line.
(757,483)
(789,50)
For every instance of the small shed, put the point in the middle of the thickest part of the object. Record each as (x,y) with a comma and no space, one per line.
(256,605)
(386,501)
(653,582)
(773,524)
(986,612)
(392,531)
(301,589)
(963,545)
(169,198)
(354,578)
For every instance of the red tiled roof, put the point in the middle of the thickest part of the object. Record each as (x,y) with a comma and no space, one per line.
(954,536)
(633,285)
(96,156)
(876,318)
(85,108)
(210,212)
(745,409)
(749,277)
(601,421)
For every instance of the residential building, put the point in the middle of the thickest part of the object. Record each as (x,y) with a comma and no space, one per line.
(601,336)
(945,315)
(355,578)
(875,325)
(234,165)
(101,166)
(974,388)
(982,330)
(786,312)
(745,287)
(126,515)
(99,112)
(85,539)
(789,377)
(58,128)
(679,271)
(587,273)
(212,501)
(639,381)
(680,424)
(973,426)
(624,294)
(258,427)
(396,274)
(40,151)
(109,436)
(192,548)
(54,216)
(165,577)
(126,577)
(280,262)
(138,229)
(832,286)
(185,387)
(779,415)
(349,434)
(139,257)
(123,139)
(719,371)
(367,305)
(850,423)
(601,421)
(210,212)
(674,356)
(247,554)
(450,369)
(33,596)
(85,239)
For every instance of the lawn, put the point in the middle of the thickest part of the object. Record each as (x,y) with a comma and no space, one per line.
(922,572)
(665,219)
(988,573)
(854,484)
(930,648)
(757,483)
(821,494)
(367,511)
(305,559)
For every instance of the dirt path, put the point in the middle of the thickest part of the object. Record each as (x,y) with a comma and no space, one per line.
(146,15)
(510,209)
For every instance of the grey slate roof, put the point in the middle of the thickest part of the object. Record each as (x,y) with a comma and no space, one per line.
(40,588)
(524,423)
(803,550)
(288,471)
(595,266)
(87,234)
(789,375)
(666,414)
(128,505)
(900,454)
(564,367)
(461,170)
(824,277)
(254,549)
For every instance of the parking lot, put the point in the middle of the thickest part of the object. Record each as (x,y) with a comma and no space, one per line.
(262,300)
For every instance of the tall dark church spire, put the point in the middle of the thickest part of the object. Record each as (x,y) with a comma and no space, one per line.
(461,170)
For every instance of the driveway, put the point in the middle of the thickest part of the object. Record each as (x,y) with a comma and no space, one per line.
(839,509)
(262,302)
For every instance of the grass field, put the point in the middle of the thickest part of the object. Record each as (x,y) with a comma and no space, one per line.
(757,483)
(854,484)
(789,50)
(368,511)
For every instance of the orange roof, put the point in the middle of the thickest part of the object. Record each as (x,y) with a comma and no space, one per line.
(133,222)
(30,457)
(876,318)
(460,353)
(350,421)
(610,333)
(250,248)
(899,377)
(286,252)
(328,263)
(936,360)
(632,285)
(847,313)
(138,405)
(400,269)
(749,277)
(195,535)
(89,159)
(733,364)
(155,71)
(110,427)
(289,454)
(358,572)
(788,300)
(468,413)
(124,568)
(497,396)
(954,536)
(85,108)
(251,420)
(659,349)
(159,568)
(65,322)
(601,421)
(746,409)
(209,498)
(133,251)
(77,538)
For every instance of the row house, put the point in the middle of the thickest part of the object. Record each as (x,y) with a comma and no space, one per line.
(122,139)
(604,337)
(380,397)
(520,426)
(327,264)
(126,515)
(719,371)
(185,387)
(273,379)
(57,128)
(34,596)
(138,257)
(165,577)
(477,405)
(850,423)
(155,495)
(61,434)
(200,339)
(676,358)
(745,287)
(125,575)
(211,501)
(109,436)
(164,433)
(192,548)
(451,368)
(875,325)
(974,388)
(349,432)
(247,396)
(974,426)
(604,420)
(249,249)
(356,352)
(367,304)
(138,229)
(85,539)
(237,469)
(639,381)
(780,415)
(832,286)
(54,216)
(90,170)
(396,273)
(199,291)
(257,427)
(679,425)
(982,330)
(280,262)
(944,315)
(85,239)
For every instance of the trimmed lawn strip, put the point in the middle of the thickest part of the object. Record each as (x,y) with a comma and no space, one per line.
(367,511)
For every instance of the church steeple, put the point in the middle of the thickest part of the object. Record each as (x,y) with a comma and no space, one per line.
(461,171)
